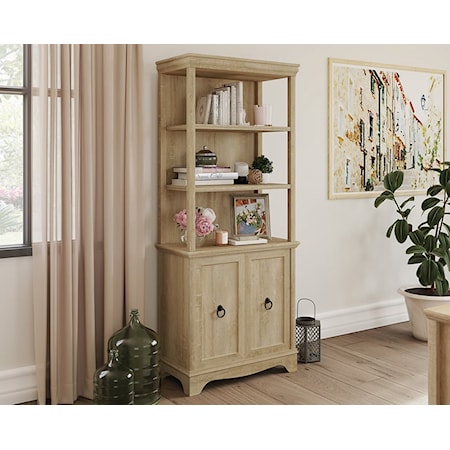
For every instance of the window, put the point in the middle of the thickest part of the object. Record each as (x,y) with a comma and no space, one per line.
(362,134)
(371,125)
(15,111)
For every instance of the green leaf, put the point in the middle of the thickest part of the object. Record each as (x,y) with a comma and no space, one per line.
(429,243)
(447,259)
(439,252)
(444,240)
(441,286)
(393,180)
(435,215)
(415,249)
(434,190)
(416,259)
(444,177)
(401,230)
(410,199)
(385,195)
(441,267)
(417,237)
(429,203)
(424,228)
(427,272)
(389,230)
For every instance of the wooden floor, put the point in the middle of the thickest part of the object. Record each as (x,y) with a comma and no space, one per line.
(376,367)
(381,366)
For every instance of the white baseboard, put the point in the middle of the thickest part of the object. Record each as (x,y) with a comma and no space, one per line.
(361,318)
(18,385)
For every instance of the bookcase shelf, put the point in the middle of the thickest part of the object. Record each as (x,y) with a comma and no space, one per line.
(223,311)
(231,128)
(232,188)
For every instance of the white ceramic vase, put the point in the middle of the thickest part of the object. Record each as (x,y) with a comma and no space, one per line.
(416,304)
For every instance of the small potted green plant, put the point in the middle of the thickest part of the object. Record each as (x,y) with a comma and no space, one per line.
(260,167)
(430,240)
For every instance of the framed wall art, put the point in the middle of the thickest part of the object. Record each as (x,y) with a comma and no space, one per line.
(251,216)
(383,118)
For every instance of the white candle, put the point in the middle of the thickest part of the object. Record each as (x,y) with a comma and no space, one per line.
(241,168)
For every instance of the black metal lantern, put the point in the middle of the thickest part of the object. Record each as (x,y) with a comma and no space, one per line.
(307,336)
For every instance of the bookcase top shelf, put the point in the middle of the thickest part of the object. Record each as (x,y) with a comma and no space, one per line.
(210,66)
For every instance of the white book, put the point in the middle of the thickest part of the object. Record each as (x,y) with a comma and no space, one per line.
(223,106)
(204,169)
(233,103)
(213,169)
(211,176)
(227,106)
(181,182)
(184,169)
(214,109)
(239,85)
(247,242)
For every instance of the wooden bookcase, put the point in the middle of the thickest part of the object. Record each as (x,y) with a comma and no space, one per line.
(253,284)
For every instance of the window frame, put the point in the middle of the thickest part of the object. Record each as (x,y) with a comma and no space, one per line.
(12,251)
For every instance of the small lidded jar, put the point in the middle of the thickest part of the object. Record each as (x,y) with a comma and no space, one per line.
(205,157)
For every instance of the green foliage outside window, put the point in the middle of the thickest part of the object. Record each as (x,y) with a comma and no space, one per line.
(12,96)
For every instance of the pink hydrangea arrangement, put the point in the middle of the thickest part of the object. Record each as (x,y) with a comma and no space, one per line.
(204,220)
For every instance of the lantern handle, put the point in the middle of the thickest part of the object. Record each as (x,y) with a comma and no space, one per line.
(304,298)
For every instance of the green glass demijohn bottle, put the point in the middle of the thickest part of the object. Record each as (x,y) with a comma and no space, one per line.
(114,382)
(138,348)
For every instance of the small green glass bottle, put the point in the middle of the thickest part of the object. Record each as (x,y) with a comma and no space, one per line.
(138,348)
(114,382)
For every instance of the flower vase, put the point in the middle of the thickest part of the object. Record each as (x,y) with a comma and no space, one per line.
(200,241)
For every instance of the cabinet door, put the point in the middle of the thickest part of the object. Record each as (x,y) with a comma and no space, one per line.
(216,311)
(269,326)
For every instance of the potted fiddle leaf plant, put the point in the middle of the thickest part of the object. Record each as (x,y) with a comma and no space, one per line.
(430,244)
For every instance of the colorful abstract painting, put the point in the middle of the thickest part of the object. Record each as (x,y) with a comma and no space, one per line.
(383,118)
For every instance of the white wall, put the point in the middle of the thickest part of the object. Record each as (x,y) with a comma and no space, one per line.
(344,262)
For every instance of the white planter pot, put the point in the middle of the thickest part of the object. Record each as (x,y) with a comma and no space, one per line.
(266,178)
(415,304)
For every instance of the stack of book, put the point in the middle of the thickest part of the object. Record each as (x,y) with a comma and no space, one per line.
(223,106)
(206,175)
(246,240)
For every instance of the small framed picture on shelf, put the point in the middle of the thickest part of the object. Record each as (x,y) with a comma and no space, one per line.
(251,216)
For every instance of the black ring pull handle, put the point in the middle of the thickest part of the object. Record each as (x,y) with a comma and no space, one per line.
(220,311)
(268,303)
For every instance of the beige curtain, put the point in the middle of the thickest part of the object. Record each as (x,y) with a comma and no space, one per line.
(88,224)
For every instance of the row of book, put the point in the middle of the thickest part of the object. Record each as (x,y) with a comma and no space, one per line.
(223,106)
(206,175)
